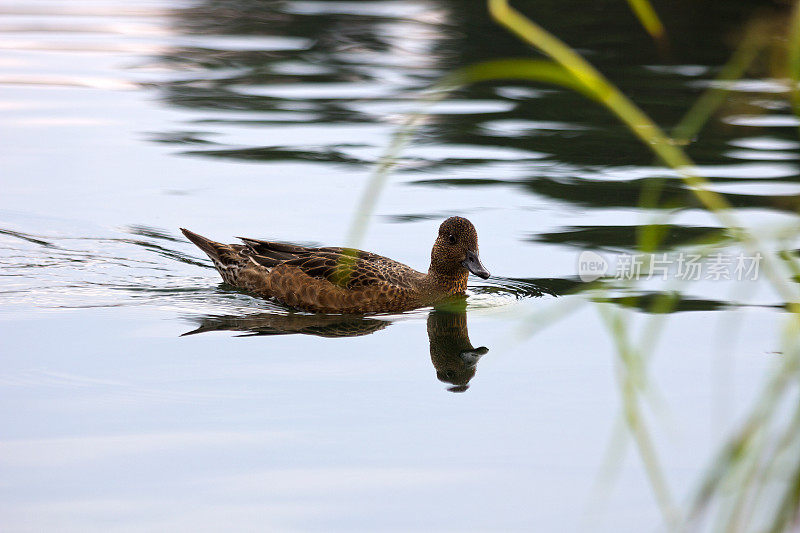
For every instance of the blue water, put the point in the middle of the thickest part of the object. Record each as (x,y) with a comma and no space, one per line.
(122,122)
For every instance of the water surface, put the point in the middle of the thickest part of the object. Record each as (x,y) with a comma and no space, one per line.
(123,122)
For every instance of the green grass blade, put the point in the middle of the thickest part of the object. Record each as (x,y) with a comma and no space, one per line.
(536,70)
(794,57)
(649,19)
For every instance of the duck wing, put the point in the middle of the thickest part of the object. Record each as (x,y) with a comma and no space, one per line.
(270,253)
(351,270)
(282,251)
(344,267)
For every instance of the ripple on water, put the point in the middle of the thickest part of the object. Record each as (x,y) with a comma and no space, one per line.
(144,266)
(765,143)
(763,121)
(521,128)
(314,91)
(450,107)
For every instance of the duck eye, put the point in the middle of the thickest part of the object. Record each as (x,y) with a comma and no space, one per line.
(451,239)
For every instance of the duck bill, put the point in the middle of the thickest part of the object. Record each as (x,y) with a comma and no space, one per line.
(473,264)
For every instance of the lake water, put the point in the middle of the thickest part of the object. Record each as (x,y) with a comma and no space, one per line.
(122,122)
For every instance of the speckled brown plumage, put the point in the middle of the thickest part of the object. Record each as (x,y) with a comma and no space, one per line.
(339,280)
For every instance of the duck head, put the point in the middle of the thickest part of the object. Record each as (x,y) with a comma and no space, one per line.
(455,252)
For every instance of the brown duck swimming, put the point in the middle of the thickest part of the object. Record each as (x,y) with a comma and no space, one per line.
(341,280)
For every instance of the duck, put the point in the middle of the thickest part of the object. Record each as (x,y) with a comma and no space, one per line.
(345,280)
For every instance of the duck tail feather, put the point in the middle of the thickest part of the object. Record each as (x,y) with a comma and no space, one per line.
(212,248)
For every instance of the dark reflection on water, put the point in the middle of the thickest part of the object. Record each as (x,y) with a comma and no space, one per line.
(627,237)
(452,353)
(285,324)
(624,193)
(652,302)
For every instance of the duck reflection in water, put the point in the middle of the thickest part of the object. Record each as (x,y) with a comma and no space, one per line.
(452,353)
